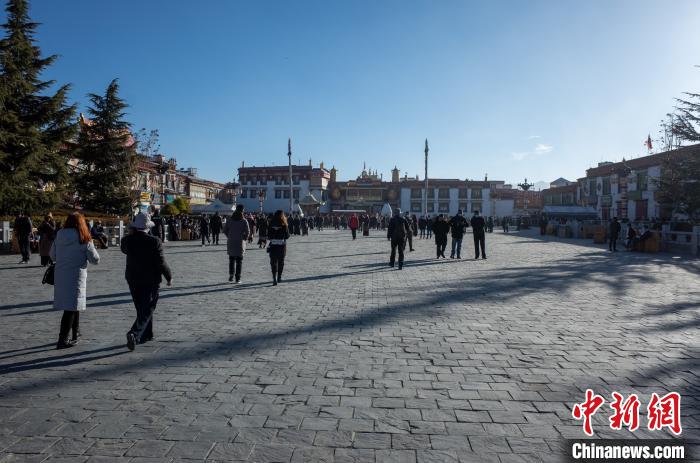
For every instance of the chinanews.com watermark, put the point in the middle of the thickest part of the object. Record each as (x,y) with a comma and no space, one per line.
(662,413)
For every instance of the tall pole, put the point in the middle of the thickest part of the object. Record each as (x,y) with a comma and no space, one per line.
(425,197)
(291,191)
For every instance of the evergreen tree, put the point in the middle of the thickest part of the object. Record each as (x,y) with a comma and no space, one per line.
(106,153)
(34,123)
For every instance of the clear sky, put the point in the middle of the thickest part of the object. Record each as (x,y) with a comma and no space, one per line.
(536,89)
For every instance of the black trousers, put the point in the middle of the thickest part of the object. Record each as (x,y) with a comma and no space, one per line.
(479,241)
(23,242)
(441,245)
(215,237)
(354,232)
(235,265)
(401,245)
(69,321)
(613,243)
(46,260)
(277,254)
(205,235)
(145,299)
(410,240)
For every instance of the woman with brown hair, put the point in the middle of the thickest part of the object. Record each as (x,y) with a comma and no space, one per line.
(278,232)
(71,251)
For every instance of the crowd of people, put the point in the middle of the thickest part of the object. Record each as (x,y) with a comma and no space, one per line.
(66,249)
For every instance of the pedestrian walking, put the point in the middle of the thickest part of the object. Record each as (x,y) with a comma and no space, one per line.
(204,229)
(409,235)
(215,224)
(615,229)
(478,228)
(458,227)
(237,230)
(23,230)
(279,234)
(145,269)
(262,231)
(397,232)
(505,224)
(429,227)
(440,229)
(71,250)
(159,225)
(353,224)
(47,235)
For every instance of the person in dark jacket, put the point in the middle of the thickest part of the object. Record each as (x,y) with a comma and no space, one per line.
(478,228)
(615,229)
(237,230)
(215,224)
(145,267)
(278,232)
(158,229)
(397,232)
(47,234)
(204,228)
(262,231)
(429,222)
(440,229)
(458,227)
(23,230)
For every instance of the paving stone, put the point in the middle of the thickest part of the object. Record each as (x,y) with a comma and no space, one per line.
(347,351)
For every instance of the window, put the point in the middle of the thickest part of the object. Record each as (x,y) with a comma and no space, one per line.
(476,206)
(416,193)
(416,207)
(296,194)
(243,194)
(476,193)
(444,207)
(295,179)
(640,209)
(431,207)
(444,193)
(567,198)
(591,187)
(463,207)
(252,193)
(278,180)
(463,193)
(286,194)
(606,185)
(642,181)
(278,194)
(431,193)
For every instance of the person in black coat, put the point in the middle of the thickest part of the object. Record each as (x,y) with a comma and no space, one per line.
(204,228)
(397,232)
(615,229)
(158,229)
(479,229)
(215,224)
(278,232)
(458,227)
(145,267)
(23,230)
(440,229)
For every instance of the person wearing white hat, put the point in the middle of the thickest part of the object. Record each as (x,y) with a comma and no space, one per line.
(145,267)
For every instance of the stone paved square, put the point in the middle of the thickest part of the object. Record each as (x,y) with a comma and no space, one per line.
(347,359)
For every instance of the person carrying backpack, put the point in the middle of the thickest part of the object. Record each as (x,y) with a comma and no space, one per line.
(397,232)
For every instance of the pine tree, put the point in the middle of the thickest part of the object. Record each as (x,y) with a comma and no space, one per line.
(34,123)
(106,153)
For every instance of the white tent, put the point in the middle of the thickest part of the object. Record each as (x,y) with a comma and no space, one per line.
(210,208)
(386,210)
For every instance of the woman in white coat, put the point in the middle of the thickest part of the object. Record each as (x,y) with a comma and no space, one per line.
(71,251)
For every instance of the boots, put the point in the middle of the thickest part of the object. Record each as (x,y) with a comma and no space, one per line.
(274,279)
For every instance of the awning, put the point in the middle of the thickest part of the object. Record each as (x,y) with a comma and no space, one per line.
(570,211)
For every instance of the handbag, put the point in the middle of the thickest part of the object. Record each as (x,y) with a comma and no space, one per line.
(48,275)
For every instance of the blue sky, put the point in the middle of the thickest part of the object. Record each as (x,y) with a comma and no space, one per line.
(536,89)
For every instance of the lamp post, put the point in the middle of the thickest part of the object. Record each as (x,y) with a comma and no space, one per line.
(425,194)
(291,193)
(261,197)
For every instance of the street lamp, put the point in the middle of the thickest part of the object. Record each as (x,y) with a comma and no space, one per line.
(425,200)
(261,197)
(291,194)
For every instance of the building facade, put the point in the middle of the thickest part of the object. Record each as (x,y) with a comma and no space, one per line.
(627,189)
(273,181)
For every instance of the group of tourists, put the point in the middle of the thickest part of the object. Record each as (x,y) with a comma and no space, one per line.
(402,228)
